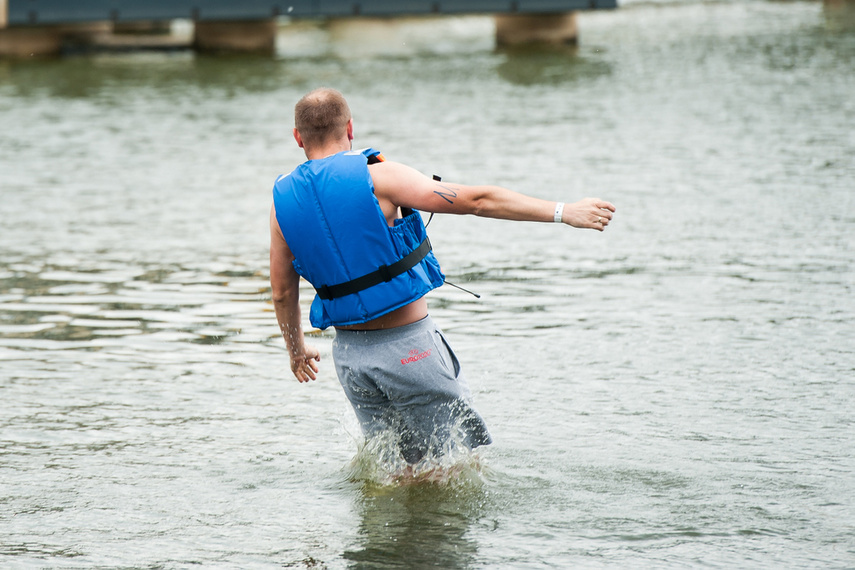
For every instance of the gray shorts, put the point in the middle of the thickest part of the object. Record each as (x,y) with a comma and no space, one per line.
(407,381)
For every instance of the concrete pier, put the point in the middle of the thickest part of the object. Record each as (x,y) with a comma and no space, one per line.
(253,36)
(258,36)
(839,15)
(143,27)
(43,28)
(518,29)
(40,41)
(30,41)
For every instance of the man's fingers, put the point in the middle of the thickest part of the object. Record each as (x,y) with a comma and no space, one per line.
(603,215)
(305,369)
(603,205)
(309,369)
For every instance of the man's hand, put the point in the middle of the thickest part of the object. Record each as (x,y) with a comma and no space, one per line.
(304,364)
(590,213)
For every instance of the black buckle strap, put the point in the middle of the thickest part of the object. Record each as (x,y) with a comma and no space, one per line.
(381,275)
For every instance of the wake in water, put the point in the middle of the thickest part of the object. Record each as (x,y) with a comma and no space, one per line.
(379,462)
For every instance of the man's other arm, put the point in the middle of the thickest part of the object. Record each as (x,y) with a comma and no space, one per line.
(285,285)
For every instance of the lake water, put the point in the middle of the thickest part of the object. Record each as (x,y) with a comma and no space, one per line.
(675,392)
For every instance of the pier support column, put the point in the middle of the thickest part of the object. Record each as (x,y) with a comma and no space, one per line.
(839,14)
(30,41)
(26,41)
(35,41)
(518,29)
(257,36)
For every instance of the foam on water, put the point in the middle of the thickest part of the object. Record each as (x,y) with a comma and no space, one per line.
(378,463)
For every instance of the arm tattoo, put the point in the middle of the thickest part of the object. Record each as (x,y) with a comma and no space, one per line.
(445,195)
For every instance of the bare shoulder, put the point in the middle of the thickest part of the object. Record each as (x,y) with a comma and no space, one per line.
(405,186)
(391,175)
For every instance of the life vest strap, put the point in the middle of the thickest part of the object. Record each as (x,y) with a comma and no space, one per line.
(380,275)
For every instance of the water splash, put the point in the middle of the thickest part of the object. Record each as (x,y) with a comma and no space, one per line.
(378,463)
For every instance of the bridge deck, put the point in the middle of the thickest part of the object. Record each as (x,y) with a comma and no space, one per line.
(47,12)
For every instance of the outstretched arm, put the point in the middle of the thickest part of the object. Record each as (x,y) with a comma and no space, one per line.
(285,284)
(401,185)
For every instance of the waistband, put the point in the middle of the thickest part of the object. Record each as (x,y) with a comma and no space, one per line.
(384,335)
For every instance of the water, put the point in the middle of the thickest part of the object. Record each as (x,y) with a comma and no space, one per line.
(675,392)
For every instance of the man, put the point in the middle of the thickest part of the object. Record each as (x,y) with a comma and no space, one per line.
(348,222)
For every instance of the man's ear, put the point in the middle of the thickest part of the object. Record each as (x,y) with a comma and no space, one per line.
(350,129)
(298,138)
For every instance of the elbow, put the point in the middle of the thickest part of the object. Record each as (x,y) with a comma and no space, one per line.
(278,298)
(480,205)
(282,295)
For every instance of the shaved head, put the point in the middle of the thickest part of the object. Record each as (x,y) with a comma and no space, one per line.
(320,116)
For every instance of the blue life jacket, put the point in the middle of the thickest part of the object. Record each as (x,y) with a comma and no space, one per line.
(360,267)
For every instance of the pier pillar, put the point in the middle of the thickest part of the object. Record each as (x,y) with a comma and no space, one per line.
(30,41)
(35,41)
(839,14)
(26,41)
(256,36)
(518,29)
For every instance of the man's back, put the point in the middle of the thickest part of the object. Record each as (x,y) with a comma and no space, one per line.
(362,264)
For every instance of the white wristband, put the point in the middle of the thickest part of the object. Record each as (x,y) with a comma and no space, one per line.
(559,212)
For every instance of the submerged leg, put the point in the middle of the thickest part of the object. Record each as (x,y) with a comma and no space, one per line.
(408,379)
